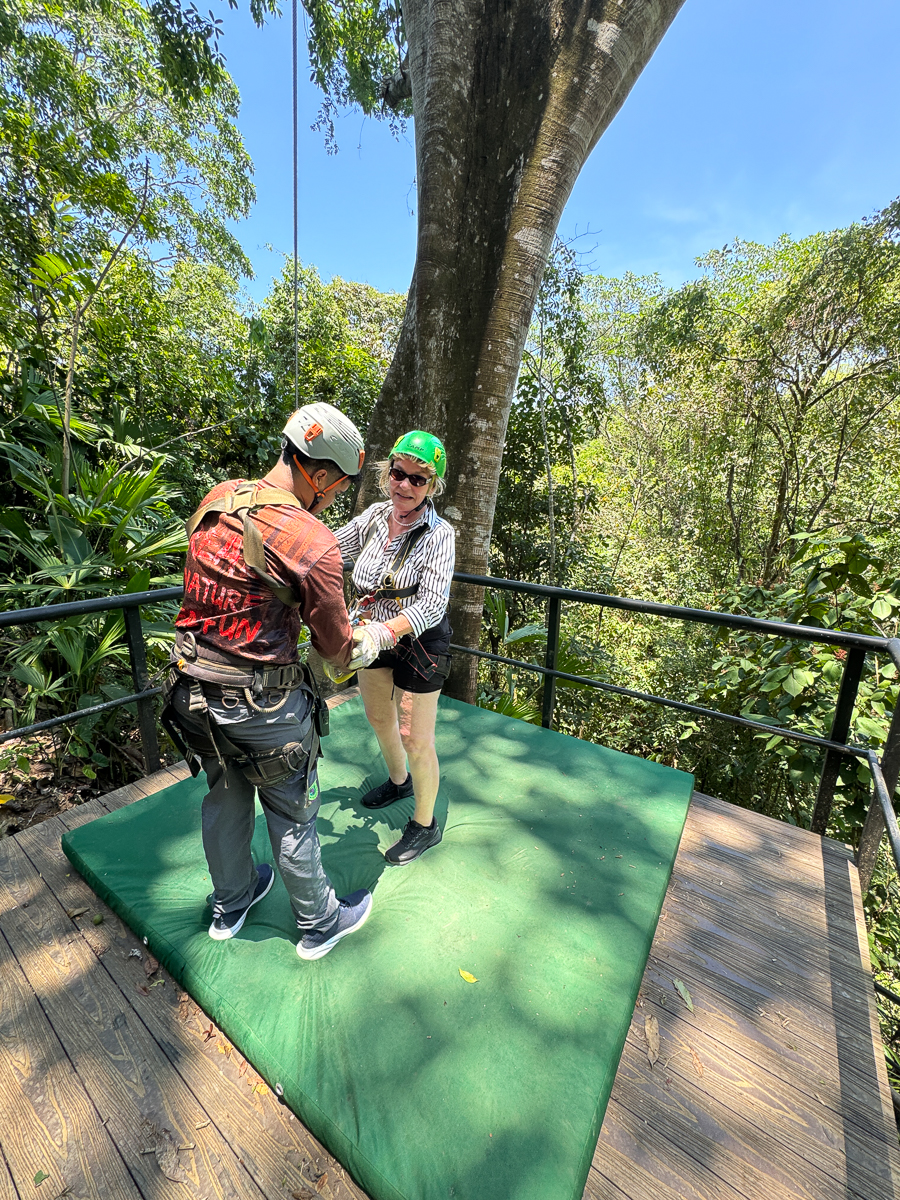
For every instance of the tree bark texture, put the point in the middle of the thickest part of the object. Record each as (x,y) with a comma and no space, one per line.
(509,100)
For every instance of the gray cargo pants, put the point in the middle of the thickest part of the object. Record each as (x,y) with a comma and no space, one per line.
(290,807)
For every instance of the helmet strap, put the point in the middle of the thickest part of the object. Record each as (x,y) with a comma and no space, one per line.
(318,496)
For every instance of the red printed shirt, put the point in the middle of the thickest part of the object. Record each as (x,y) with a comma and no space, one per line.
(228,607)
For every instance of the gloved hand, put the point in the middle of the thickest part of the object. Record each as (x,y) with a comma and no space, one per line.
(335,673)
(368,642)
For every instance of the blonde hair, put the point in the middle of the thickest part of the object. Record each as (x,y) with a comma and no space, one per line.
(383,468)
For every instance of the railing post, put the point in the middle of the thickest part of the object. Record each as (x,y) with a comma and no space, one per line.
(843,714)
(870,841)
(134,635)
(554,612)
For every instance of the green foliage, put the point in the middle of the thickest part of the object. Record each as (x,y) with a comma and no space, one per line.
(833,582)
(734,445)
(882,905)
(92,107)
(118,139)
(517,693)
(118,524)
(117,533)
(346,338)
(783,365)
(354,46)
(543,497)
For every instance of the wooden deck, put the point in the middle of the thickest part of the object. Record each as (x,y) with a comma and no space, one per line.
(774,1087)
(114,1084)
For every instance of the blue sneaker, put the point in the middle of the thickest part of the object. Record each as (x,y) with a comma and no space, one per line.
(230,923)
(352,913)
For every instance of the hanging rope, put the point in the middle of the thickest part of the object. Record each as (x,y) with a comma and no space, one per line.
(294,67)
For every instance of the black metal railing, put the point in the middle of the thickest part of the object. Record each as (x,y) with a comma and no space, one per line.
(143,693)
(885,771)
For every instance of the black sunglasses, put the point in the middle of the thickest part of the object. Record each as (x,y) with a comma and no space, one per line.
(416,480)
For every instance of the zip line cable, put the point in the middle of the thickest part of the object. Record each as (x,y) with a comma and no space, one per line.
(294,69)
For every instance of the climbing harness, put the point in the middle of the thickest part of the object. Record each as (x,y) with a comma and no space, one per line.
(234,682)
(408,648)
(201,665)
(243,501)
(411,651)
(386,589)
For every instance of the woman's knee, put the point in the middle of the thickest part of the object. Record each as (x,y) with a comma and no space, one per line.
(417,745)
(381,717)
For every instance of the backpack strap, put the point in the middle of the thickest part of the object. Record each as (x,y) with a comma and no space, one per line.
(243,501)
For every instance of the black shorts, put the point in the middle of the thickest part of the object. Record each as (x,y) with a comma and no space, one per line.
(419,664)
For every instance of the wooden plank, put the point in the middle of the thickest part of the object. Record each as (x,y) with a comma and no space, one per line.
(761,1039)
(634,1178)
(747,976)
(273,1145)
(837,968)
(779,898)
(771,1122)
(790,1102)
(760,1160)
(643,1158)
(149,1112)
(48,1125)
(850,994)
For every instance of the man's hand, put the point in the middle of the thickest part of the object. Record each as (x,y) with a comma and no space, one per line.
(335,673)
(368,642)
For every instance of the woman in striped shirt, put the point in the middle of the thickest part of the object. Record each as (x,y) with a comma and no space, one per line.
(403,555)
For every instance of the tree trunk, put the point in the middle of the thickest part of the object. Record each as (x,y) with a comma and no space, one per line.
(509,100)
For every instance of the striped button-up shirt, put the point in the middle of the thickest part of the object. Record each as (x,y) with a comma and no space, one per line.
(430,564)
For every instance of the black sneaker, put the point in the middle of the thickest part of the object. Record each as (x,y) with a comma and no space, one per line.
(386,793)
(230,923)
(415,841)
(352,913)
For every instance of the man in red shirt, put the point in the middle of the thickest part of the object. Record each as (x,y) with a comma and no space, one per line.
(240,704)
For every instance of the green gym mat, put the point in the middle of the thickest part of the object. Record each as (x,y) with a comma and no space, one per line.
(546,889)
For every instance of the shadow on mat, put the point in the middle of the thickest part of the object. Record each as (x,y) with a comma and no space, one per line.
(352,850)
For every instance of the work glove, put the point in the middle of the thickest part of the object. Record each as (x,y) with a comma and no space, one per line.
(335,673)
(368,642)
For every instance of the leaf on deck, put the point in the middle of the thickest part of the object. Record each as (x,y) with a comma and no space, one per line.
(684,993)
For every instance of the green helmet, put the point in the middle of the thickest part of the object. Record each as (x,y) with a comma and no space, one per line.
(424,446)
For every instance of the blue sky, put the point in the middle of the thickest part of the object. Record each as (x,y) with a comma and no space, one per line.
(751,120)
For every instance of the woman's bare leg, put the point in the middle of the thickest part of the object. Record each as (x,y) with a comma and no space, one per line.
(416,715)
(377,688)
